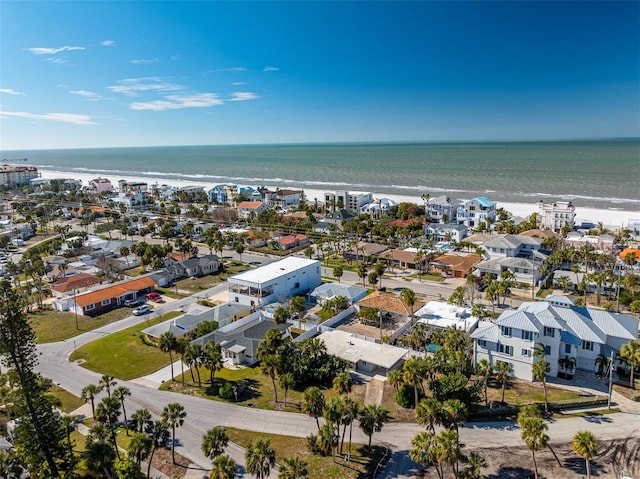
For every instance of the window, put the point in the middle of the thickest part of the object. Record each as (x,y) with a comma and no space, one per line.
(506,331)
(482,343)
(549,331)
(503,348)
(89,307)
(105,302)
(527,335)
(567,348)
(526,353)
(588,345)
(547,350)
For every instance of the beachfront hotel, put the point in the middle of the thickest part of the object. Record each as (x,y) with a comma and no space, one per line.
(17,175)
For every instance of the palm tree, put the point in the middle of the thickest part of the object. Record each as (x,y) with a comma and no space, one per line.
(372,418)
(269,367)
(107,382)
(173,414)
(293,468)
(413,373)
(214,442)
(159,432)
(603,363)
(349,412)
(533,434)
(140,447)
(630,352)
(540,370)
(454,412)
(212,359)
(503,372)
(429,413)
(182,343)
(192,356)
(409,298)
(342,383)
(120,393)
(141,418)
(260,457)
(223,467)
(395,378)
(449,448)
(167,344)
(476,464)
(313,403)
(423,450)
(484,370)
(10,467)
(286,381)
(89,393)
(584,444)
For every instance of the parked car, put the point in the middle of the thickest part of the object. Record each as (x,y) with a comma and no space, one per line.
(139,311)
(155,297)
(132,302)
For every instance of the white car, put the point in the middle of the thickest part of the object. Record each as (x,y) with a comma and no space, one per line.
(144,309)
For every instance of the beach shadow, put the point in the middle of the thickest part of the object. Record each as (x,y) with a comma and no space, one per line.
(578,466)
(513,473)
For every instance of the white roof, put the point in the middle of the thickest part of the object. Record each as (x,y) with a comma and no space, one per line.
(350,348)
(487,331)
(444,315)
(274,270)
(519,320)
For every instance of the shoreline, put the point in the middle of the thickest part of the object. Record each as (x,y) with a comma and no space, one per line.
(614,218)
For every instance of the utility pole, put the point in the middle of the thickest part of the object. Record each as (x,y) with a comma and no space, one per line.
(75,308)
(610,379)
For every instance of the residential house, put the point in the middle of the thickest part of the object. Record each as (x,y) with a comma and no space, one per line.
(99,185)
(456,265)
(555,216)
(73,284)
(249,209)
(239,340)
(519,254)
(291,242)
(365,356)
(132,186)
(473,212)
(442,209)
(436,314)
(282,199)
(275,281)
(99,301)
(339,217)
(572,337)
(401,258)
(578,280)
(363,251)
(378,208)
(390,303)
(329,291)
(602,243)
(223,194)
(447,233)
(514,246)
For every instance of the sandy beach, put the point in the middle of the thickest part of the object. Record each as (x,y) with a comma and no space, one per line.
(612,218)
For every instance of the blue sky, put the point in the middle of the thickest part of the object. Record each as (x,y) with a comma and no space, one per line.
(100,73)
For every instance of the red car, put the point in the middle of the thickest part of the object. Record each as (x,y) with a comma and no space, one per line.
(155,297)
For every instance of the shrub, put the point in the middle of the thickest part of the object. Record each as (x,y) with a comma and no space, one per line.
(405,397)
(226,391)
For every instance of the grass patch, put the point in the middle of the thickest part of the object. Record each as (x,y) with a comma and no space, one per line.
(362,463)
(123,354)
(626,391)
(68,402)
(425,277)
(50,325)
(594,413)
(256,389)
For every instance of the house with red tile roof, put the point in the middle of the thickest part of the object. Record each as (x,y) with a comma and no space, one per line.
(99,301)
(79,283)
(291,241)
(389,302)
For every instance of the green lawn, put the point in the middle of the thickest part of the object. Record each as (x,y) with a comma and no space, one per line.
(123,354)
(69,402)
(361,465)
(258,389)
(50,325)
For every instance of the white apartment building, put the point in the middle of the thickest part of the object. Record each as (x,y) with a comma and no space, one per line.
(349,200)
(572,337)
(555,216)
(276,281)
(442,208)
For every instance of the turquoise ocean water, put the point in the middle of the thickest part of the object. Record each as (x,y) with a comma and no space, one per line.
(596,173)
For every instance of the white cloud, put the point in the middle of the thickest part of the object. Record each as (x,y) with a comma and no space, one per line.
(11,91)
(175,58)
(270,69)
(108,43)
(51,51)
(134,86)
(238,83)
(144,61)
(243,96)
(60,117)
(89,95)
(59,61)
(175,102)
(219,70)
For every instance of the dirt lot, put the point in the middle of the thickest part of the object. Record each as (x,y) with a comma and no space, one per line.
(515,463)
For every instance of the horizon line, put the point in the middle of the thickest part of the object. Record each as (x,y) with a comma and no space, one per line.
(353,142)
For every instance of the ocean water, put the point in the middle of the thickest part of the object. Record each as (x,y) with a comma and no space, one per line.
(595,173)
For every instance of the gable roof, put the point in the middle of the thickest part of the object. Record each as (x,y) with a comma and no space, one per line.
(114,291)
(75,281)
(250,205)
